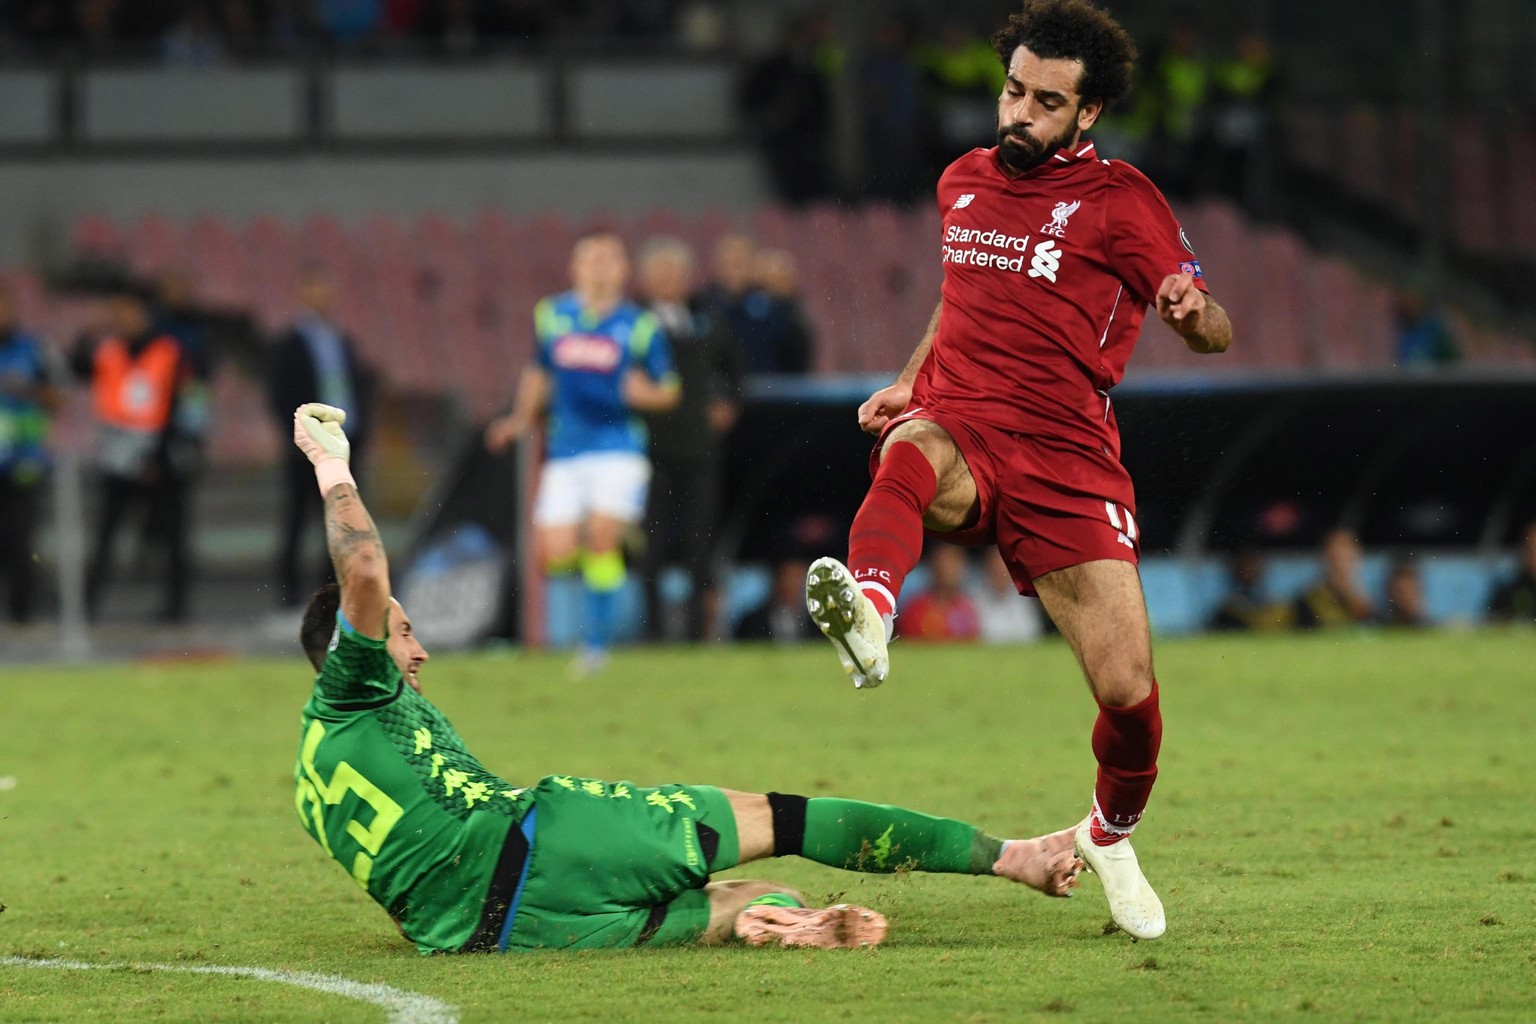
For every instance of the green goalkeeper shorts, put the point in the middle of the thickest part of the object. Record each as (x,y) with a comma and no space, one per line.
(615,865)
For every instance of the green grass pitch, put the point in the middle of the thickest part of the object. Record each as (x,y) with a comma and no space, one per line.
(1342,831)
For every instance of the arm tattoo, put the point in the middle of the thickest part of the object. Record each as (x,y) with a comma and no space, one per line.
(350,535)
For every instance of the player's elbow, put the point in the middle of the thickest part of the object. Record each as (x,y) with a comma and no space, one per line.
(364,572)
(668,397)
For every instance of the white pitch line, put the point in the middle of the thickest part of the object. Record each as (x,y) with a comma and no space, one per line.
(402,1007)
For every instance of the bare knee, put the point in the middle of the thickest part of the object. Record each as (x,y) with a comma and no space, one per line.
(1121,685)
(929,438)
(955,503)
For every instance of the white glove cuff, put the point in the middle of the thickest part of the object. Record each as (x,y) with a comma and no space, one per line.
(332,471)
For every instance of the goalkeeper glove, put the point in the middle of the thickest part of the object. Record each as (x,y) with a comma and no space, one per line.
(317,433)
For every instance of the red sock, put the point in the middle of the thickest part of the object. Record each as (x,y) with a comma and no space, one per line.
(1125,741)
(887,536)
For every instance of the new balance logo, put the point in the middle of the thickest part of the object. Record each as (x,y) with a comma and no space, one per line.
(963,201)
(1046,262)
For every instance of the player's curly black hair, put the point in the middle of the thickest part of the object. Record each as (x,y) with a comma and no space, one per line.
(320,623)
(1074,30)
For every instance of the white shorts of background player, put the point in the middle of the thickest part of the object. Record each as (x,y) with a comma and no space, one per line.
(611,484)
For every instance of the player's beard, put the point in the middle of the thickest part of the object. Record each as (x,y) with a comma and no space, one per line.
(1020,151)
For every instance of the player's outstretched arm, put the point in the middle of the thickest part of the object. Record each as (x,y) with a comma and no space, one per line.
(889,402)
(1198,318)
(533,390)
(353,541)
(643,393)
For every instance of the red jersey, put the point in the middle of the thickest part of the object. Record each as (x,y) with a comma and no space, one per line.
(1047,278)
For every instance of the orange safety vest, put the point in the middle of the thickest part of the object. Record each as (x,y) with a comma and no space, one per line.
(136,393)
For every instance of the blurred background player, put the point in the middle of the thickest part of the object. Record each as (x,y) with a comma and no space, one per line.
(1514,600)
(463,861)
(136,378)
(314,361)
(28,397)
(599,361)
(1000,428)
(687,443)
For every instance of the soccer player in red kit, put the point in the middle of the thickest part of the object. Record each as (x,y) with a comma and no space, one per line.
(1000,430)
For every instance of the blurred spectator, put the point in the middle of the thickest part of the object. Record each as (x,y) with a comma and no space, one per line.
(893,116)
(687,443)
(943,612)
(194,41)
(778,337)
(1421,338)
(28,397)
(348,24)
(136,376)
(965,79)
(1243,115)
(176,314)
(782,618)
(1405,597)
(701,25)
(732,265)
(97,25)
(1337,599)
(1244,606)
(1178,87)
(241,23)
(1515,600)
(459,26)
(786,99)
(521,18)
(1005,616)
(314,362)
(403,17)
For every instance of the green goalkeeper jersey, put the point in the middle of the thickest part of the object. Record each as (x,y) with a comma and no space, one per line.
(385,785)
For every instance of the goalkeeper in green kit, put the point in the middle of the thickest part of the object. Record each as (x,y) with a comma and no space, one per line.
(464,861)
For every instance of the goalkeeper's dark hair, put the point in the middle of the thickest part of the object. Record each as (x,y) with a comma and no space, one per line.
(1073,30)
(320,623)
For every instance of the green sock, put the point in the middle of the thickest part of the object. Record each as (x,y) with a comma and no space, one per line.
(563,566)
(880,839)
(775,899)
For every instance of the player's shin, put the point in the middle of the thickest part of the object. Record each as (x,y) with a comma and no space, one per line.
(603,574)
(886,540)
(1126,743)
(877,838)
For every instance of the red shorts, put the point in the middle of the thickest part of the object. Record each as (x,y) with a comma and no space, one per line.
(1046,504)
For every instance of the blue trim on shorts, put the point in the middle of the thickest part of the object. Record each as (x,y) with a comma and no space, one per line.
(522,880)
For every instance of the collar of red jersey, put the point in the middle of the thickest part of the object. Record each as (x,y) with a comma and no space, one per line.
(1083,151)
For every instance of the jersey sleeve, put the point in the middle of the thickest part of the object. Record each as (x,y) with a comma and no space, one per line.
(357,670)
(1144,241)
(651,350)
(543,334)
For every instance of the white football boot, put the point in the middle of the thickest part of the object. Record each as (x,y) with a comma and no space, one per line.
(1132,903)
(850,620)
